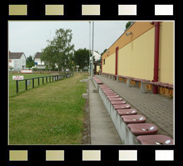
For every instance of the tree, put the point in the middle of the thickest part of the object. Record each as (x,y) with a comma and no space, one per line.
(29,62)
(64,49)
(48,55)
(81,57)
(59,51)
(97,52)
(128,24)
(104,51)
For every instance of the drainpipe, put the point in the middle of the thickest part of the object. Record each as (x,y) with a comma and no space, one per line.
(101,65)
(156,56)
(116,64)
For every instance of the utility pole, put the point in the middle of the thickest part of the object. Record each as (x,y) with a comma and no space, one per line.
(92,49)
(89,46)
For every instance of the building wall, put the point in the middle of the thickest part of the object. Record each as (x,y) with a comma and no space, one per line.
(166,58)
(136,59)
(22,62)
(38,60)
(109,66)
(18,63)
(136,52)
(138,29)
(11,63)
(98,69)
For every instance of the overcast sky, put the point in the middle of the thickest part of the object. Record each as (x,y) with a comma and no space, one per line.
(30,36)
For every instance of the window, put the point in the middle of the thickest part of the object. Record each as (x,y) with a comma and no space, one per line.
(104,62)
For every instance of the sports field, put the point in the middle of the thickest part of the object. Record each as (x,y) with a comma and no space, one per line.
(52,113)
(12,83)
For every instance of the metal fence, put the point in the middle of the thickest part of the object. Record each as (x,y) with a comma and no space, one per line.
(30,82)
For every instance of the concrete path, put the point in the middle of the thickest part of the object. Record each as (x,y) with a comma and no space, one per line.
(102,131)
(158,109)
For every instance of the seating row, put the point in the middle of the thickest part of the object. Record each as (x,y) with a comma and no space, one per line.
(144,84)
(97,82)
(165,85)
(131,127)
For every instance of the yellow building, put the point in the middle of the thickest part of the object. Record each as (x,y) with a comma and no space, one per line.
(133,53)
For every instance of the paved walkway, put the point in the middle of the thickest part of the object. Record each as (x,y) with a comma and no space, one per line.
(102,131)
(157,109)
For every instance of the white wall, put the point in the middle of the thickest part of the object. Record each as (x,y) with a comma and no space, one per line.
(38,60)
(22,61)
(18,63)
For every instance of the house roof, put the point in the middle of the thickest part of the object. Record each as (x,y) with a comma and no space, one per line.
(37,55)
(96,55)
(15,55)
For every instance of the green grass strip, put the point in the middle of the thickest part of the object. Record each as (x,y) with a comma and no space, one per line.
(50,114)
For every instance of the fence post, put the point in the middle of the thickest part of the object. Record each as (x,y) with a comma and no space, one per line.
(16,86)
(32,82)
(25,84)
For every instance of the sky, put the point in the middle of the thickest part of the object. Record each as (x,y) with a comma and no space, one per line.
(31,36)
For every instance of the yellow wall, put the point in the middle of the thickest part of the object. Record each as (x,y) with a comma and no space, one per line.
(136,59)
(136,52)
(109,66)
(166,52)
(98,68)
(138,29)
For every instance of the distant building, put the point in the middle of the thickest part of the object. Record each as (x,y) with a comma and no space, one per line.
(17,60)
(96,55)
(38,63)
(96,62)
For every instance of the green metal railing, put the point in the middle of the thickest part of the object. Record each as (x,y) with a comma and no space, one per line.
(49,79)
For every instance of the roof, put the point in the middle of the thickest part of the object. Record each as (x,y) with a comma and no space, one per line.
(38,54)
(96,55)
(15,55)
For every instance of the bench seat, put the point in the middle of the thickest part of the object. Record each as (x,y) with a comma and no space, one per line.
(118,102)
(126,111)
(143,128)
(122,106)
(133,118)
(155,140)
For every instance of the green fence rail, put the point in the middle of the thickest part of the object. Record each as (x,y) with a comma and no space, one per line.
(50,78)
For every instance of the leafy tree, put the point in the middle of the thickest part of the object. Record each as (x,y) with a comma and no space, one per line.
(97,52)
(59,51)
(128,24)
(29,62)
(48,55)
(104,51)
(64,49)
(81,57)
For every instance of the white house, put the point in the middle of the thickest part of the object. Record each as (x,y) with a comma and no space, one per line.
(96,55)
(17,60)
(38,63)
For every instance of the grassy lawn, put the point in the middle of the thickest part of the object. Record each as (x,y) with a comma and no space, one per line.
(50,114)
(12,83)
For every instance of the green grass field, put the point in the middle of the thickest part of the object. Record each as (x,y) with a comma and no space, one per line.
(49,114)
(12,83)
